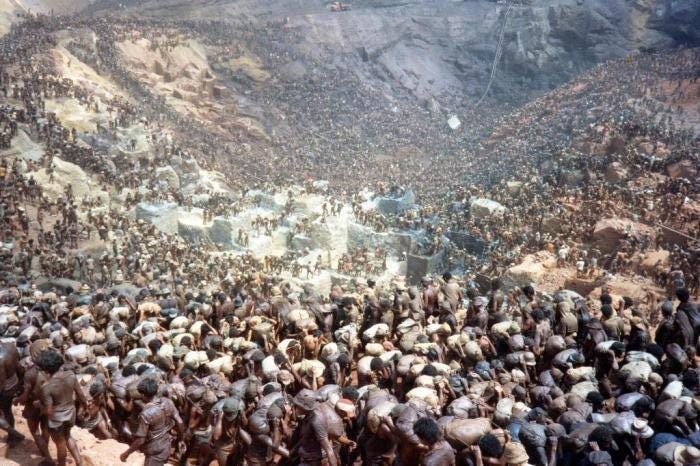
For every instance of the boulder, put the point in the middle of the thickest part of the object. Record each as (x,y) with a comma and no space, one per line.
(388,205)
(360,236)
(191,228)
(301,242)
(221,232)
(616,172)
(574,177)
(164,216)
(470,243)
(608,232)
(167,175)
(64,174)
(514,186)
(645,147)
(651,259)
(683,169)
(532,269)
(616,145)
(552,224)
(481,208)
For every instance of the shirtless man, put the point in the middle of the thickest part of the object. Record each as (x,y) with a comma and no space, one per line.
(158,417)
(57,398)
(9,387)
(33,379)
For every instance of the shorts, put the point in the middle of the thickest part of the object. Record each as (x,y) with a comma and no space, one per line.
(158,454)
(62,428)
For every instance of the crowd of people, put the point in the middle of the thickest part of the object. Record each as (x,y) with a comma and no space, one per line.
(191,354)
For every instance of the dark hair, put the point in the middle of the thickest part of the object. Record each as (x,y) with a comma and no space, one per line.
(655,350)
(628,301)
(429,370)
(606,299)
(279,358)
(691,379)
(92,370)
(682,294)
(427,430)
(154,345)
(343,359)
(129,370)
(603,435)
(142,368)
(618,347)
(97,388)
(538,315)
(186,372)
(351,393)
(607,310)
(148,387)
(490,446)
(447,276)
(186,341)
(529,291)
(49,361)
(267,389)
(596,399)
(432,355)
(376,364)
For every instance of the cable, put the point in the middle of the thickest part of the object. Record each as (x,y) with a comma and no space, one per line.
(499,52)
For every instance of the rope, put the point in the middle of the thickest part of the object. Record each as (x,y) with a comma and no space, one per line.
(499,52)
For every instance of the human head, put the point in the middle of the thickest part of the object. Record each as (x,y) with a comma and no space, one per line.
(49,361)
(148,388)
(427,430)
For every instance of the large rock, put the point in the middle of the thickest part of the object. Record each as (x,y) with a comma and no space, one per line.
(396,205)
(470,243)
(221,232)
(552,224)
(168,176)
(23,147)
(482,207)
(684,169)
(616,172)
(164,216)
(608,232)
(360,236)
(654,258)
(64,174)
(532,269)
(418,267)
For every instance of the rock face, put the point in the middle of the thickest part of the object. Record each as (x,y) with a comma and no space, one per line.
(164,216)
(451,47)
(360,236)
(64,174)
(608,232)
(472,244)
(532,269)
(396,205)
(167,176)
(616,172)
